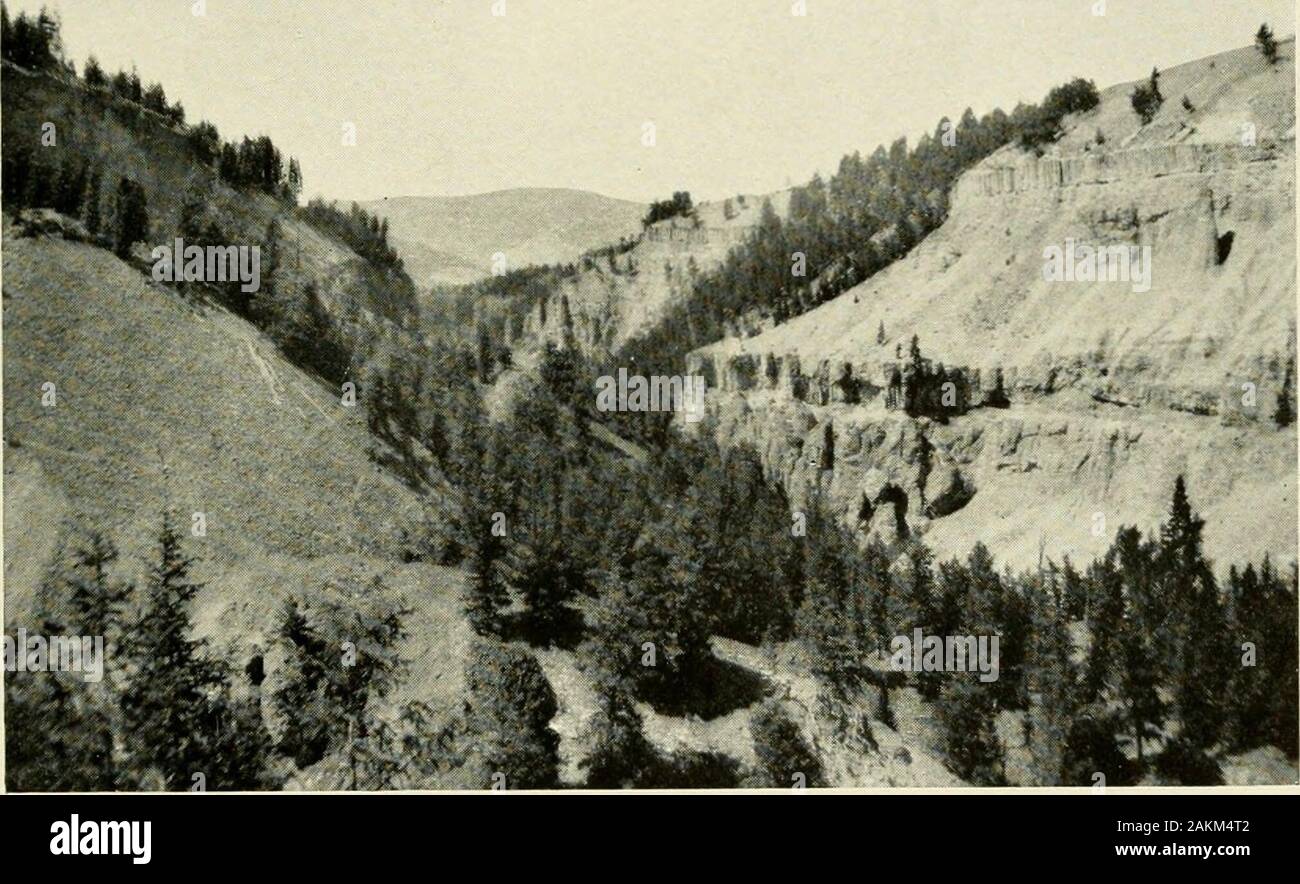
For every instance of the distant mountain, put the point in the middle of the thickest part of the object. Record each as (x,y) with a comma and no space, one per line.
(451,239)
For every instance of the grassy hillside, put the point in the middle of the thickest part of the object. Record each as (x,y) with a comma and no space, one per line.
(124,140)
(165,402)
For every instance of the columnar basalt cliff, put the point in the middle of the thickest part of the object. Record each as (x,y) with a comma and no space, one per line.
(1071,404)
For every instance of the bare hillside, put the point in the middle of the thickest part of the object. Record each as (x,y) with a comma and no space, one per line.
(616,297)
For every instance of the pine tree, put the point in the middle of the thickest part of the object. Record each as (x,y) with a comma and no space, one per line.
(1146,98)
(1250,686)
(1193,646)
(98,603)
(1050,678)
(58,732)
(782,752)
(77,752)
(1284,414)
(1105,616)
(971,745)
(93,220)
(920,600)
(827,621)
(1139,665)
(341,653)
(511,706)
(549,581)
(620,754)
(487,591)
(131,216)
(1265,43)
(914,376)
(264,308)
(1091,749)
(167,704)
(1281,656)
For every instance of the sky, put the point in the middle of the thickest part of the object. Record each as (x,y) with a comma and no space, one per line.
(744,96)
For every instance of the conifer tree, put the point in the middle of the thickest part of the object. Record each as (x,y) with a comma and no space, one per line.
(1265,43)
(484,539)
(167,704)
(1249,691)
(1050,677)
(1140,670)
(511,706)
(920,596)
(971,744)
(782,751)
(1193,645)
(620,755)
(341,652)
(1091,749)
(93,74)
(131,217)
(1105,617)
(76,754)
(827,620)
(93,220)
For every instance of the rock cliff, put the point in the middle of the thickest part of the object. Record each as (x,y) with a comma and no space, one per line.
(1073,404)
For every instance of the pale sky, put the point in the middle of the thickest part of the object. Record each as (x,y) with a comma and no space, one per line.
(745,96)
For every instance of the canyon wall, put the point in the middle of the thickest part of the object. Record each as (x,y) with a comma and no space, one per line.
(1073,405)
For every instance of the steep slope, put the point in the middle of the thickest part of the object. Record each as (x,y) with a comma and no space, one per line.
(166,401)
(123,140)
(161,402)
(1112,390)
(452,240)
(619,294)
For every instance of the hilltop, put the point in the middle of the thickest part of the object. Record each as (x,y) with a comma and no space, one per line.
(451,239)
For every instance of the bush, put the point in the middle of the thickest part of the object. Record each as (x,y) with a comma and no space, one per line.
(1146,98)
(781,749)
(511,707)
(1042,125)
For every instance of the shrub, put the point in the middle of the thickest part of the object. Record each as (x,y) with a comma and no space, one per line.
(781,749)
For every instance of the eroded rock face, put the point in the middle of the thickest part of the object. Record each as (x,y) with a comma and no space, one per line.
(1010,477)
(1078,402)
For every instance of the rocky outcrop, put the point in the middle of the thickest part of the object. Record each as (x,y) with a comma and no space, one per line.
(1012,477)
(1075,401)
(1022,174)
